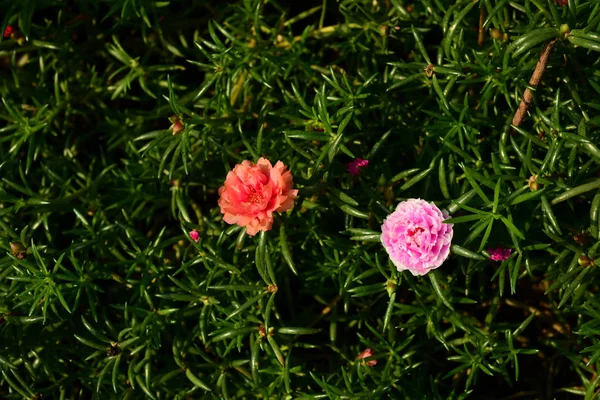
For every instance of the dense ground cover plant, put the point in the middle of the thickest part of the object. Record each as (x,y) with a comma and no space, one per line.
(121,119)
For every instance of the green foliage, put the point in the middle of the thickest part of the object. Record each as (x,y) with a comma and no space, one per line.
(104,295)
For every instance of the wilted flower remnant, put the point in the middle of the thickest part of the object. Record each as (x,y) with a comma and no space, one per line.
(367,353)
(8,31)
(194,235)
(416,237)
(499,254)
(354,165)
(253,192)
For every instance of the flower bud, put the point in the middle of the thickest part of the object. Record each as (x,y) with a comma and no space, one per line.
(177,127)
(584,261)
(16,247)
(496,34)
(391,286)
(429,70)
(262,331)
(533,183)
(18,250)
(272,288)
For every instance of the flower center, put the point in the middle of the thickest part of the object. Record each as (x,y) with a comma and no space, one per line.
(254,197)
(414,232)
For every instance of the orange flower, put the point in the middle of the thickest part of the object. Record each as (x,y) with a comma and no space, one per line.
(252,192)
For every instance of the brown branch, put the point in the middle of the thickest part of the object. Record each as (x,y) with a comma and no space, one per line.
(536,77)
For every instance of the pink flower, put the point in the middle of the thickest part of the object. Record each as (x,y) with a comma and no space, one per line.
(195,235)
(499,254)
(367,353)
(353,166)
(253,192)
(416,237)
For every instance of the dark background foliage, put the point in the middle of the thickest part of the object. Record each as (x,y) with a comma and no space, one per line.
(104,295)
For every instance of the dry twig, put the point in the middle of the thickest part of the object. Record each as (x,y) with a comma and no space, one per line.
(536,77)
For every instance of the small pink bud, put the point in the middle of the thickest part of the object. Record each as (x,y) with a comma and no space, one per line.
(177,127)
(195,235)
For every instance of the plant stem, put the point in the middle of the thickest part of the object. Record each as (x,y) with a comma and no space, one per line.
(481,36)
(323,10)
